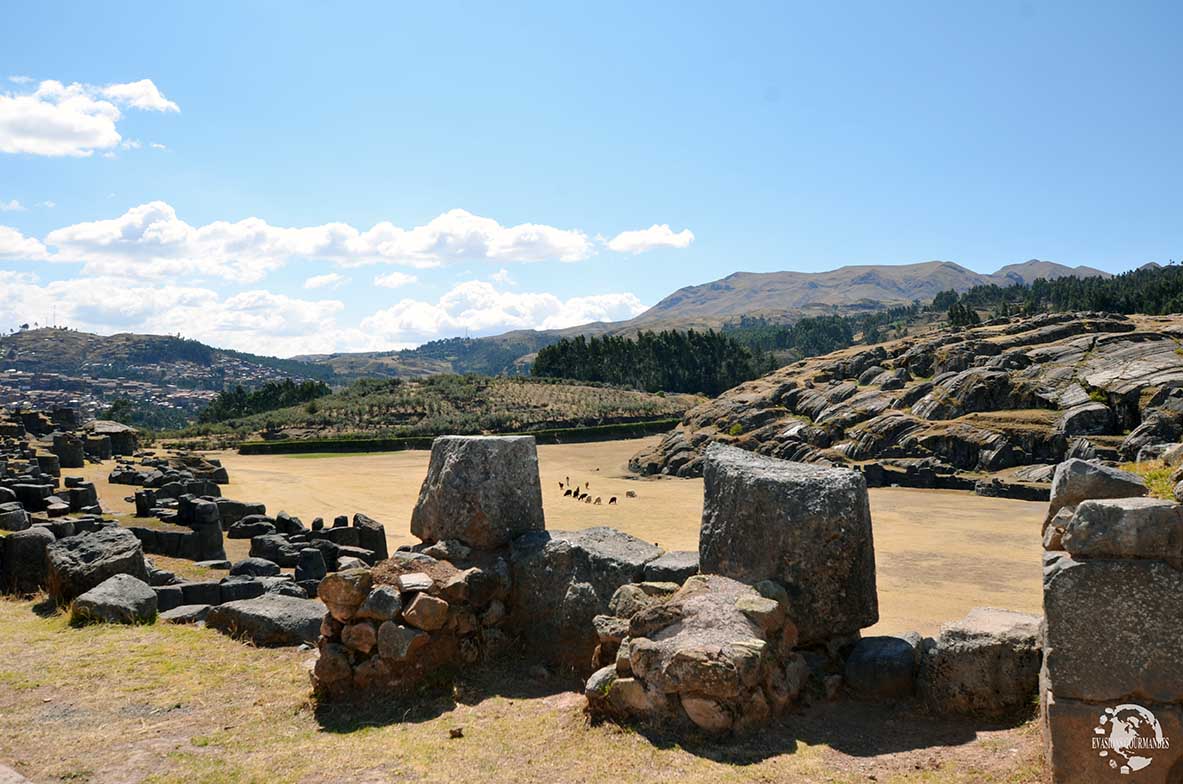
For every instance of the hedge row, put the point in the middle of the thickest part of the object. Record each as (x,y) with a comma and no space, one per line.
(568,435)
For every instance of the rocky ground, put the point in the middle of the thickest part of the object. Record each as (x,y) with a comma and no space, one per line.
(991,408)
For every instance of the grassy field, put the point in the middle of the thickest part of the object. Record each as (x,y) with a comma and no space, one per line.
(398,408)
(171,705)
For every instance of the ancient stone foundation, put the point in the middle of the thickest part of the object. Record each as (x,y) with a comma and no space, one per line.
(1112,680)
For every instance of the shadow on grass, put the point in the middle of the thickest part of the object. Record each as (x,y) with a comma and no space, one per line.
(857,729)
(430,701)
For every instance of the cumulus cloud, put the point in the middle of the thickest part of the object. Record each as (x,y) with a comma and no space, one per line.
(14,245)
(479,308)
(75,120)
(257,321)
(152,241)
(502,276)
(139,95)
(12,205)
(394,280)
(330,280)
(656,236)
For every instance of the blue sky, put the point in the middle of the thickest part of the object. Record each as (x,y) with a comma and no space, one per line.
(282,157)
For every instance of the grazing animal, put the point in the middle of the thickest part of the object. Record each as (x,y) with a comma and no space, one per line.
(567,493)
(630,494)
(587,485)
(560,485)
(611,500)
(597,501)
(587,499)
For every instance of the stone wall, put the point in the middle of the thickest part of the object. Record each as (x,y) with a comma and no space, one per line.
(1112,682)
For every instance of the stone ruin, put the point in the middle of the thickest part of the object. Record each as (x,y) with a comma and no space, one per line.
(768,615)
(1111,689)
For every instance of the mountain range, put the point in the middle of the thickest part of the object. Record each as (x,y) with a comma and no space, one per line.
(783,296)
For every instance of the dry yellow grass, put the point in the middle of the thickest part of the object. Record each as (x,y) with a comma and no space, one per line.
(166,704)
(938,552)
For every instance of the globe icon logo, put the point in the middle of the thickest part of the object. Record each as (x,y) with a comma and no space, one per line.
(1127,737)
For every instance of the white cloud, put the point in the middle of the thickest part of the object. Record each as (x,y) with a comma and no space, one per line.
(502,276)
(331,280)
(393,280)
(21,79)
(151,241)
(157,146)
(140,95)
(11,205)
(49,205)
(656,236)
(256,321)
(479,308)
(72,120)
(14,245)
(131,144)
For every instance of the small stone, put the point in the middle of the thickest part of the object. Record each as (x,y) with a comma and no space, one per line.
(360,637)
(766,613)
(344,592)
(426,612)
(382,604)
(398,643)
(707,713)
(415,581)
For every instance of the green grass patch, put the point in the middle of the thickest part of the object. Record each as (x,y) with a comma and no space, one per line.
(1157,476)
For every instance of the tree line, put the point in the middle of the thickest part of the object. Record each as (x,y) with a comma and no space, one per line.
(239,402)
(1152,289)
(668,361)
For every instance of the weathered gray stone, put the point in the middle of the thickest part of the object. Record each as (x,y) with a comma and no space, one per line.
(674,566)
(1077,480)
(13,517)
(1087,742)
(563,579)
(1114,629)
(24,569)
(382,604)
(120,598)
(311,565)
(255,567)
(1086,419)
(482,490)
(985,665)
(881,668)
(398,643)
(371,535)
(79,563)
(804,526)
(270,620)
(1126,528)
(185,614)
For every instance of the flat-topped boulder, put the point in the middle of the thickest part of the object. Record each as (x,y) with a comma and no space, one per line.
(1126,527)
(480,490)
(986,665)
(804,526)
(563,579)
(269,620)
(23,569)
(1078,480)
(120,598)
(79,563)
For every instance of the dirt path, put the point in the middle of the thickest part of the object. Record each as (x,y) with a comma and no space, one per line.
(938,553)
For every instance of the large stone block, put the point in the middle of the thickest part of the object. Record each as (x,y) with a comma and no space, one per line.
(985,665)
(79,563)
(23,564)
(562,580)
(481,490)
(1079,480)
(118,599)
(270,620)
(1118,742)
(804,526)
(1114,629)
(1126,528)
